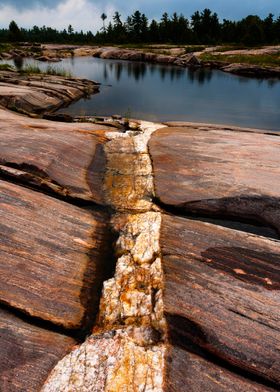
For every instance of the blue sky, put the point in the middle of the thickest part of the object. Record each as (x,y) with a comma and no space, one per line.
(85,14)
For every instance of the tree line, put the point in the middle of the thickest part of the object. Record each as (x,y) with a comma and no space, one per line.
(202,28)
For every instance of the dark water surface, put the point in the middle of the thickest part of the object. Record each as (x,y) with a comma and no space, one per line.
(161,93)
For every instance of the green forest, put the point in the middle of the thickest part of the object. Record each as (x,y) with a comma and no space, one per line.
(201,28)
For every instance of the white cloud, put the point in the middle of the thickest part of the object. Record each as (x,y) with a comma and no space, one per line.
(85,14)
(81,14)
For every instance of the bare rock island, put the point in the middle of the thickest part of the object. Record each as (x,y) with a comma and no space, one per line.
(138,259)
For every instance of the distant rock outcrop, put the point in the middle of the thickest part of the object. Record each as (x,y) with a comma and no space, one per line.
(252,70)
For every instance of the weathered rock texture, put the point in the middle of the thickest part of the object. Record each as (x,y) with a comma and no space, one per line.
(188,371)
(134,295)
(252,70)
(123,360)
(38,94)
(218,172)
(51,256)
(67,159)
(188,306)
(28,353)
(129,178)
(153,57)
(58,51)
(221,293)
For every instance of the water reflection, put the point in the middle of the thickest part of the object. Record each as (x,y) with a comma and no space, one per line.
(171,73)
(163,72)
(176,73)
(18,62)
(164,92)
(200,75)
(261,82)
(243,80)
(138,71)
(72,59)
(105,72)
(160,92)
(272,82)
(118,71)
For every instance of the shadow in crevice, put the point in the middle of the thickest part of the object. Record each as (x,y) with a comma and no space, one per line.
(39,322)
(100,267)
(31,181)
(96,172)
(222,215)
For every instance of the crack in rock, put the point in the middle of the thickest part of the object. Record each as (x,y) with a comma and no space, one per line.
(127,348)
(134,295)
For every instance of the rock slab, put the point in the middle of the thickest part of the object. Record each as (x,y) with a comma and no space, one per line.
(67,159)
(221,294)
(28,353)
(52,257)
(218,172)
(40,93)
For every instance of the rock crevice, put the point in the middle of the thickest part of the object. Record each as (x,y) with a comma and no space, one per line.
(127,349)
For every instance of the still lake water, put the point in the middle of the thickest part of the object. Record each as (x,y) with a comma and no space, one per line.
(160,93)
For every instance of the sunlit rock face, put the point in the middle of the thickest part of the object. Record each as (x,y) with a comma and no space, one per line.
(122,360)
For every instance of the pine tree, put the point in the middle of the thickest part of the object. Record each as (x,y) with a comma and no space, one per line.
(103,17)
(14,32)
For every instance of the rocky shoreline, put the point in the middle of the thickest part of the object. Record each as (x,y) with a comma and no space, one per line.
(175,56)
(190,60)
(36,94)
(136,256)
